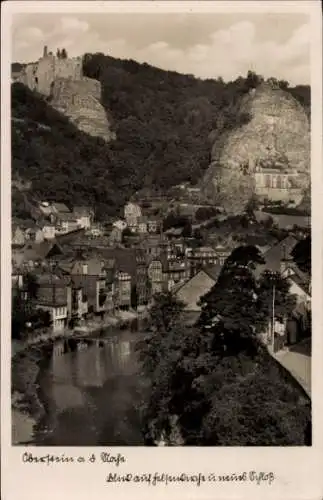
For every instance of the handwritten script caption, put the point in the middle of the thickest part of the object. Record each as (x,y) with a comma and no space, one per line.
(151,479)
(197,478)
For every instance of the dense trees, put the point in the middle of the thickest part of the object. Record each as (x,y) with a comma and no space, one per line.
(215,384)
(301,254)
(62,163)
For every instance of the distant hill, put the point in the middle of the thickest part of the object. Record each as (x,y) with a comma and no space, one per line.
(162,122)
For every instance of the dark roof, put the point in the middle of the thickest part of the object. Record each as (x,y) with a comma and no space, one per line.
(52,278)
(23,224)
(66,266)
(80,210)
(61,207)
(304,285)
(71,236)
(66,216)
(213,271)
(125,258)
(303,280)
(36,251)
(276,254)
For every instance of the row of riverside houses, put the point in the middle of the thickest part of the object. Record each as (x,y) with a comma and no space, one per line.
(278,258)
(78,286)
(94,280)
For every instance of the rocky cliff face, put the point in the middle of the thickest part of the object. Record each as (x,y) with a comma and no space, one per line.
(79,100)
(278,126)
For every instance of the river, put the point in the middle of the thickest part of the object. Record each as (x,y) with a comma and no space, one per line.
(91,395)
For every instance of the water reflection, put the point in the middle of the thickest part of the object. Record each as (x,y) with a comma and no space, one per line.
(91,396)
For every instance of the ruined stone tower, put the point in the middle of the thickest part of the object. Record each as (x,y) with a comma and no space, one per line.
(41,75)
(71,93)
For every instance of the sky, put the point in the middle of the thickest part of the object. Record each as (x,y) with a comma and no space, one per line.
(205,45)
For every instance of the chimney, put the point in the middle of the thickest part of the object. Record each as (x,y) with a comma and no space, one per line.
(45,51)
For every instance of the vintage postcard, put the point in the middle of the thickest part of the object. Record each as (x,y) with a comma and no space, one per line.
(161,190)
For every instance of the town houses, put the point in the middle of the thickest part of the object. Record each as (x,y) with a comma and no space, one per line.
(87,269)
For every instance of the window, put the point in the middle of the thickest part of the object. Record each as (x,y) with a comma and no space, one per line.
(155,271)
(267,180)
(84,269)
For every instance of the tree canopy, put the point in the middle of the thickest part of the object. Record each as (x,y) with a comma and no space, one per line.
(215,384)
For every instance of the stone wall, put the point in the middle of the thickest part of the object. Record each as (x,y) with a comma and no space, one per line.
(41,75)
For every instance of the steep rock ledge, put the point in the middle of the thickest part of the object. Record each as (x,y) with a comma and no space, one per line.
(79,100)
(278,126)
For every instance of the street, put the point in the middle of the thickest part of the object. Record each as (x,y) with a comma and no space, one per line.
(297,360)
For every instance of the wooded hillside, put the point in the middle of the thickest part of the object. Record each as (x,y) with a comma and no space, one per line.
(162,121)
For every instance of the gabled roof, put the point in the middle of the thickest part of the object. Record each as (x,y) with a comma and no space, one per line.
(198,285)
(71,236)
(303,280)
(125,258)
(304,285)
(276,254)
(36,251)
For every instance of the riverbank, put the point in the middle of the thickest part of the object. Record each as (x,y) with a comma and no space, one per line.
(27,409)
(29,358)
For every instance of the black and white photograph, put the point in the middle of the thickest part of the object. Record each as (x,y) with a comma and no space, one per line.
(161,229)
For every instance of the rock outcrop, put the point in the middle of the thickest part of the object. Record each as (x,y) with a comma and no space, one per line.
(61,80)
(278,127)
(79,100)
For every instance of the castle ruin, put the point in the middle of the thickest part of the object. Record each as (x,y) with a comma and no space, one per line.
(41,75)
(61,79)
